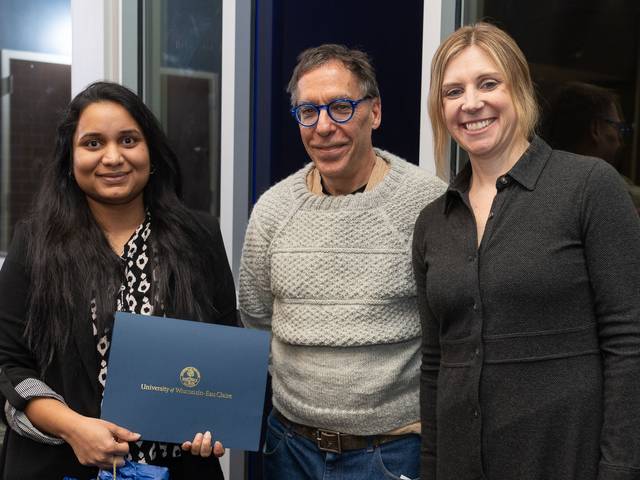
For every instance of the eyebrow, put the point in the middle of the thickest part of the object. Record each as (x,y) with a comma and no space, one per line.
(480,77)
(449,85)
(334,97)
(131,131)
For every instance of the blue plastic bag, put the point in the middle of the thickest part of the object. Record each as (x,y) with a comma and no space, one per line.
(134,471)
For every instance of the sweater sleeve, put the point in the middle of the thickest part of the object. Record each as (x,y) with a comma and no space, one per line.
(255,296)
(430,357)
(611,233)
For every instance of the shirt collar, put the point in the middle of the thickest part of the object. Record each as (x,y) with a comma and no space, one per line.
(526,171)
(458,186)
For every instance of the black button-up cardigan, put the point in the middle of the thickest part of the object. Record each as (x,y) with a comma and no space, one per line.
(531,341)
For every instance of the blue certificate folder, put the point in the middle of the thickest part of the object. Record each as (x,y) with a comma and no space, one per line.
(169,379)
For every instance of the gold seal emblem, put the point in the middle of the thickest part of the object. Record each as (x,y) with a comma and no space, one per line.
(190,377)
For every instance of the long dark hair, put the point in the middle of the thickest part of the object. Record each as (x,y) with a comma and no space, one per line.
(69,258)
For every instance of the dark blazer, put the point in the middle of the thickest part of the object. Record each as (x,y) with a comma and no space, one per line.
(74,374)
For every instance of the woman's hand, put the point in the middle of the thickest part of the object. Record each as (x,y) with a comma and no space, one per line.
(95,442)
(99,443)
(201,445)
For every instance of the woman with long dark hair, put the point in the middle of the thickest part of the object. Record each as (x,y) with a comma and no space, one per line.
(107,233)
(528,277)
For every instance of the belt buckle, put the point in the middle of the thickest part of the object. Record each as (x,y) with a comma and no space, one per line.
(328,441)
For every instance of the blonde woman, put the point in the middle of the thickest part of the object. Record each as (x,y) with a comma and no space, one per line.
(528,277)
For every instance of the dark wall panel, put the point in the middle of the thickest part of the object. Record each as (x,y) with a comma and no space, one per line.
(390,33)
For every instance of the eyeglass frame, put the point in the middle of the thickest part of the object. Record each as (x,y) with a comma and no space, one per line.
(319,108)
(623,128)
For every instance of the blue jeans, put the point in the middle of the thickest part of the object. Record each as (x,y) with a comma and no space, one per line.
(289,456)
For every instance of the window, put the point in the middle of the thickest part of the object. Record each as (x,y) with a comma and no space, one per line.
(181,84)
(35,72)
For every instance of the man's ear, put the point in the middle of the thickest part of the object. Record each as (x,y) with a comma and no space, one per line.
(376,113)
(595,131)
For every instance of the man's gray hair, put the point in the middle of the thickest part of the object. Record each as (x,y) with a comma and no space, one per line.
(356,61)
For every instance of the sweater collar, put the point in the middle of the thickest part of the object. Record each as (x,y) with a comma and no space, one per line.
(365,200)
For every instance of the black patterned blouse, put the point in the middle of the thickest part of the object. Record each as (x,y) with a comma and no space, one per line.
(135,297)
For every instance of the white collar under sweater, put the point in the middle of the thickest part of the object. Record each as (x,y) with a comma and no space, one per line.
(386,188)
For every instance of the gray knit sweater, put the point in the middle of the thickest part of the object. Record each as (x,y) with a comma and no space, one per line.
(332,278)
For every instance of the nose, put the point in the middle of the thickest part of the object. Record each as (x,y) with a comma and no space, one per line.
(472,100)
(325,125)
(112,155)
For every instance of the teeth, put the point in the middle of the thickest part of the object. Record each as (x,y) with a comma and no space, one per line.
(478,125)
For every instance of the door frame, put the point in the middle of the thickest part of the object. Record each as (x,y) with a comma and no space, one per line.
(214,122)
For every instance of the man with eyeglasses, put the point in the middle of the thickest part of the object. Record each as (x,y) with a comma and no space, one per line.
(586,119)
(326,267)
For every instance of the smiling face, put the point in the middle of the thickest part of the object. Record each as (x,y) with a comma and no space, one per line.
(342,152)
(478,109)
(110,156)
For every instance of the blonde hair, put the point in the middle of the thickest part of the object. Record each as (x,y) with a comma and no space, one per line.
(507,56)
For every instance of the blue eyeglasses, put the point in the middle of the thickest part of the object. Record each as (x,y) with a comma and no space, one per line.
(624,129)
(340,110)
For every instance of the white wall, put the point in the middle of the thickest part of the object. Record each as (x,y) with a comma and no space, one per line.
(87,43)
(235,125)
(438,23)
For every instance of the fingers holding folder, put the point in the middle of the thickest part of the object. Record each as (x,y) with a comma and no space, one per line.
(99,443)
(202,445)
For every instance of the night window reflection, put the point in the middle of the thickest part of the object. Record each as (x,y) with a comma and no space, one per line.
(588,90)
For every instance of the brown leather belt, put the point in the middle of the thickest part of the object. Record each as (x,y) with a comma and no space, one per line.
(336,442)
